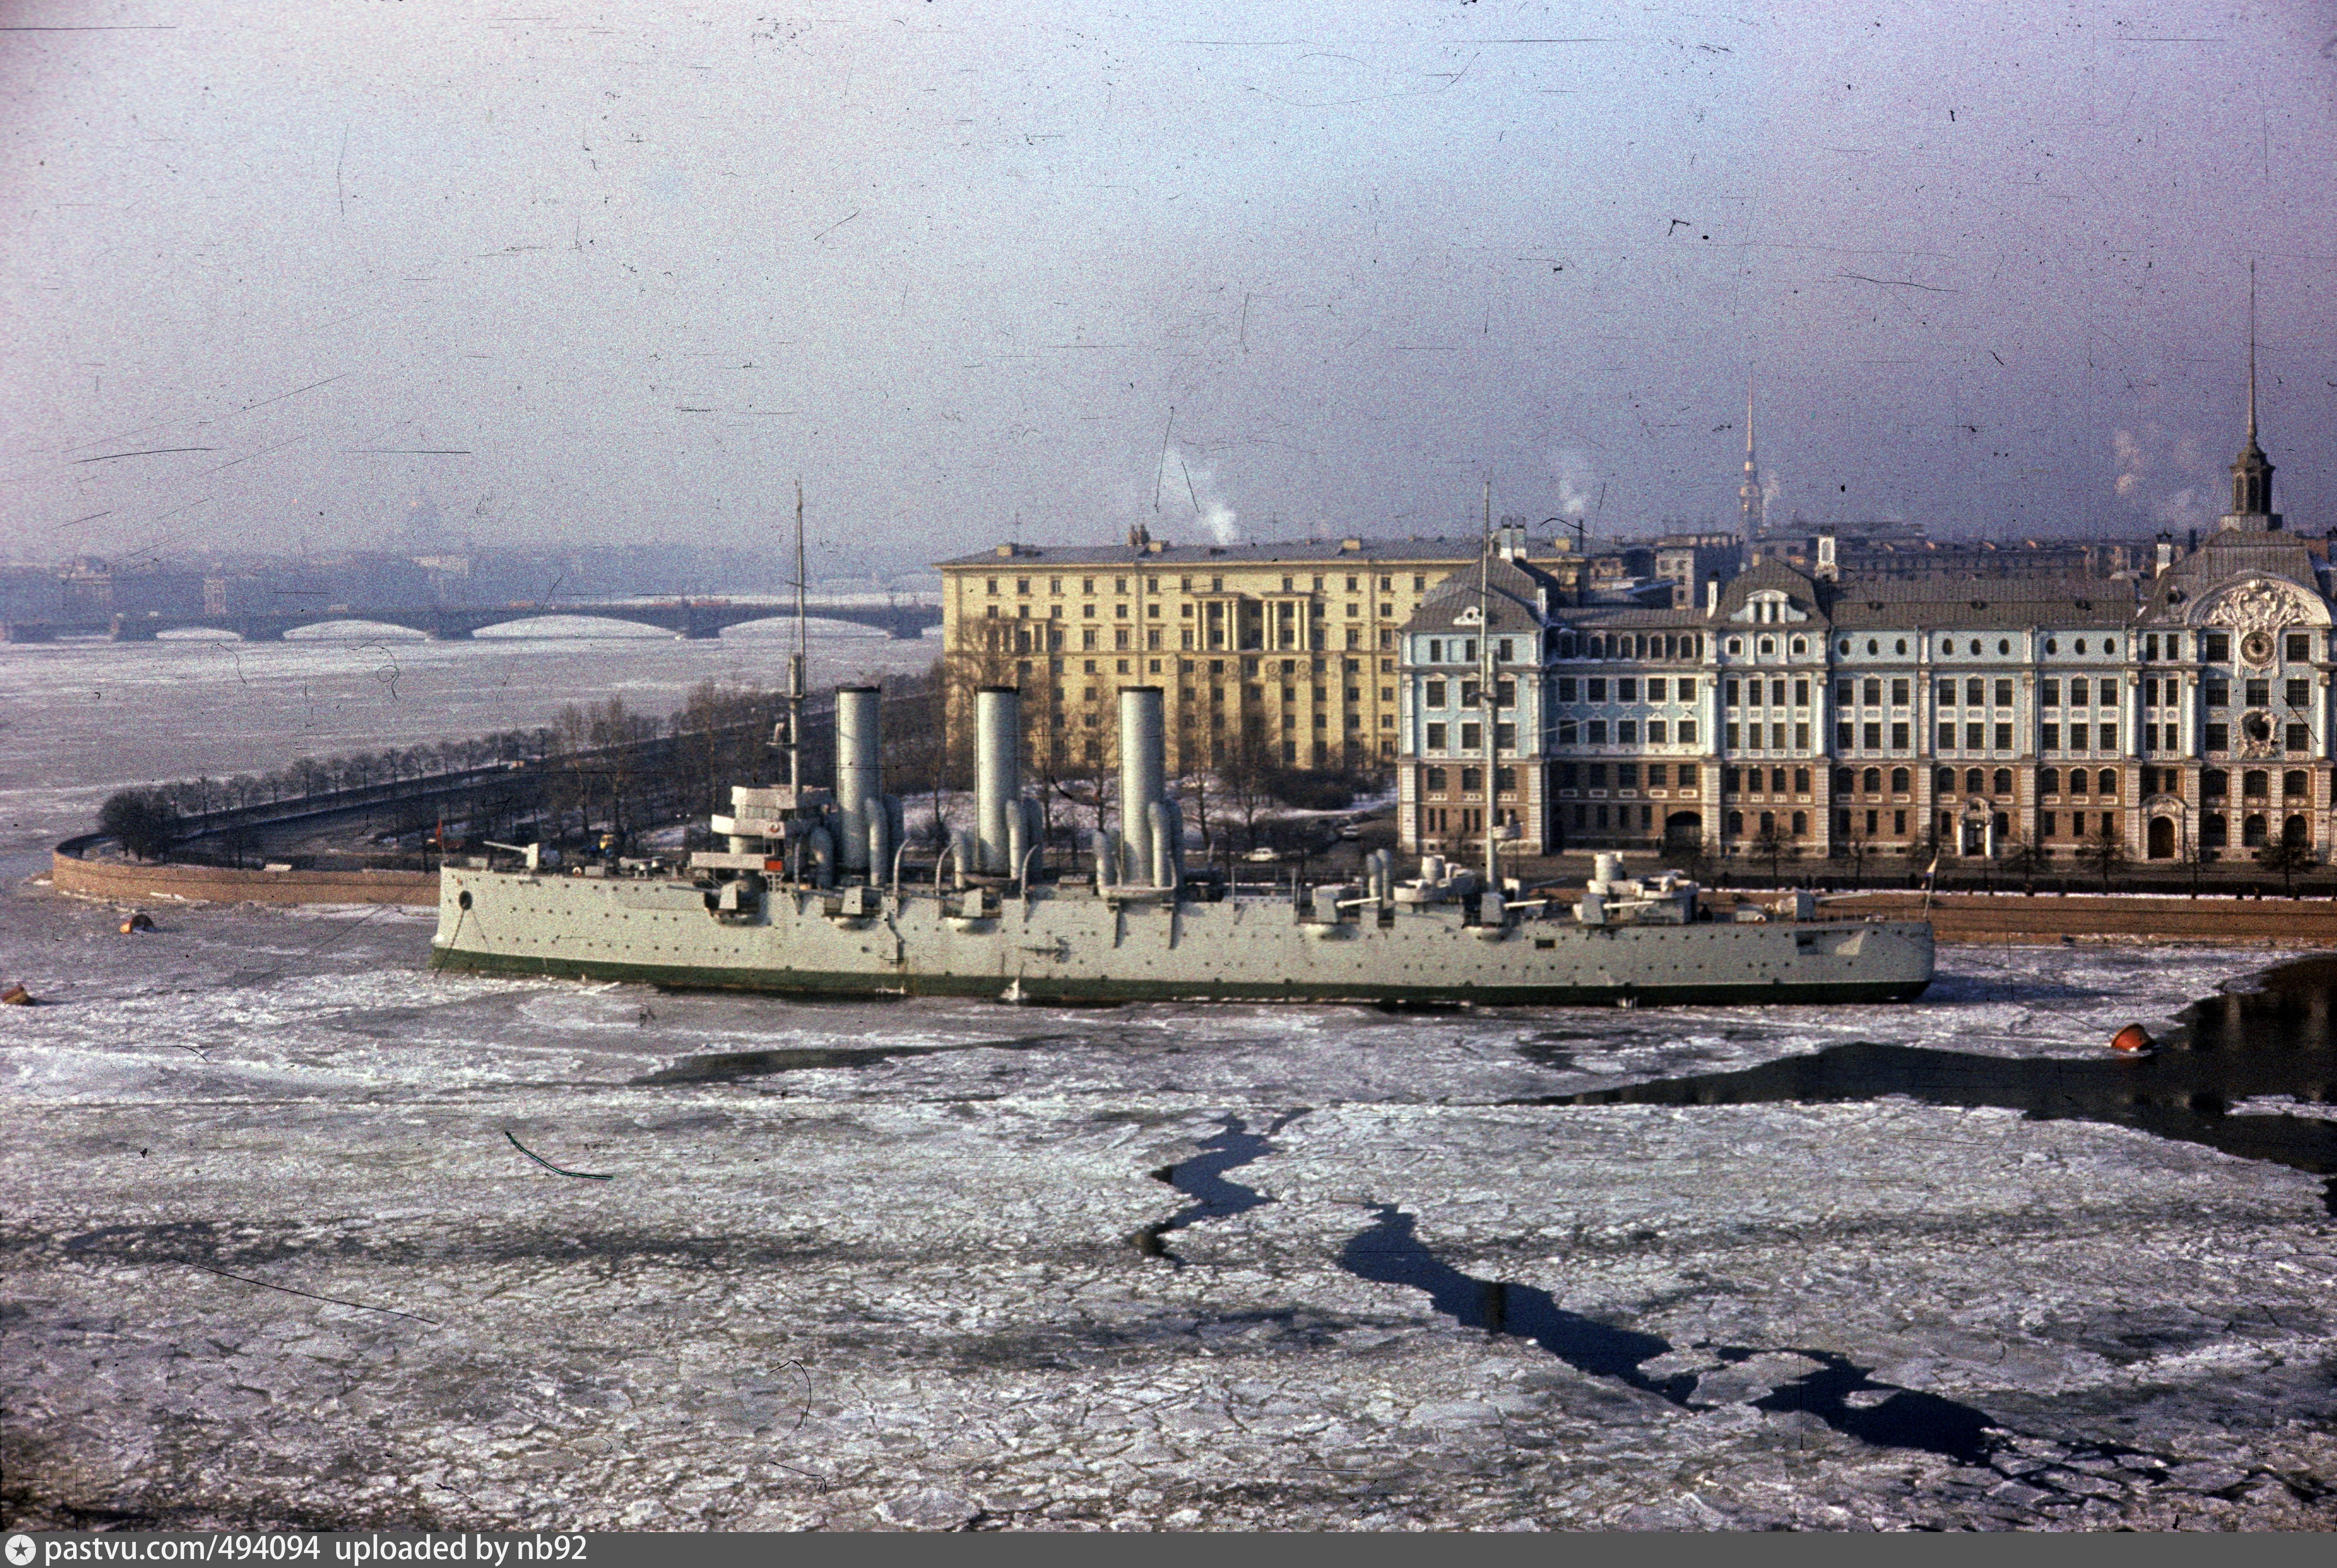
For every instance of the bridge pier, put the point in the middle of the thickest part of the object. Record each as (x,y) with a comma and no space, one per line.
(127,629)
(443,633)
(28,631)
(262,630)
(697,634)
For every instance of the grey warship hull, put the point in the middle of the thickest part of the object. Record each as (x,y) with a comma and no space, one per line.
(1070,944)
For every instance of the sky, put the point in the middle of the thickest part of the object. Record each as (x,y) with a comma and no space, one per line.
(279,277)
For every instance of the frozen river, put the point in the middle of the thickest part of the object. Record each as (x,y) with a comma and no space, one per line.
(279,1253)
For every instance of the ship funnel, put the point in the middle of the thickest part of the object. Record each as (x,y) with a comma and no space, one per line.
(857,783)
(997,776)
(1142,771)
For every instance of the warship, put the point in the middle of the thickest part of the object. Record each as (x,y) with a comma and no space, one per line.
(814,895)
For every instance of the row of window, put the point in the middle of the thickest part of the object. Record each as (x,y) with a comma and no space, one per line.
(1682,776)
(1626,689)
(1659,731)
(1154,584)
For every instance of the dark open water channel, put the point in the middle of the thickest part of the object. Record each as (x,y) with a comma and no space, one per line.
(2276,1037)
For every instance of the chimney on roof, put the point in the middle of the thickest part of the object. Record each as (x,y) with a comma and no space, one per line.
(1829,568)
(1351,546)
(2166,552)
(1711,596)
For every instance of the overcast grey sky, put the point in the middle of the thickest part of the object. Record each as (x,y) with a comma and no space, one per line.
(618,272)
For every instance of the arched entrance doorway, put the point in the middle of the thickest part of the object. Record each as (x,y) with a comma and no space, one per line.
(2296,834)
(1683,830)
(2161,846)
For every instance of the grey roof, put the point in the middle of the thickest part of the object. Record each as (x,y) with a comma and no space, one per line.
(1982,604)
(1515,600)
(2225,557)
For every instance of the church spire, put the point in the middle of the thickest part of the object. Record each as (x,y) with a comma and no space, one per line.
(1748,493)
(2252,471)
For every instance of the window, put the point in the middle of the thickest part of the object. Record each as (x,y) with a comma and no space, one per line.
(1874,737)
(2048,781)
(1801,693)
(2300,647)
(2215,647)
(1627,775)
(1566,689)
(1471,780)
(1567,733)
(1432,780)
(2299,693)
(2259,693)
(1975,737)
(1975,693)
(1686,736)
(1598,731)
(1687,777)
(2107,739)
(2004,737)
(2002,783)
(1975,782)
(2295,785)
(2049,738)
(1947,737)
(1899,742)
(1728,693)
(1597,689)
(2219,691)
(1899,781)
(1842,735)
(1657,728)
(1683,689)
(1777,693)
(2298,737)
(1871,780)
(1947,694)
(2106,784)
(1841,691)
(2213,784)
(2219,737)
(1436,733)
(1626,690)
(1655,688)
(1944,781)
(1436,694)
(1505,736)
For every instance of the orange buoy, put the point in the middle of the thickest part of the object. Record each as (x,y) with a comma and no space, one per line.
(17,996)
(2130,1040)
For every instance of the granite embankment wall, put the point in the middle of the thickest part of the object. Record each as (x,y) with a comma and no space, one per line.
(136,882)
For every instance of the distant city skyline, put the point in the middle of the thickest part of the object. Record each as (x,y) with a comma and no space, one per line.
(982,273)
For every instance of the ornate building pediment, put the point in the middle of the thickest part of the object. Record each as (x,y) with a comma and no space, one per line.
(2260,604)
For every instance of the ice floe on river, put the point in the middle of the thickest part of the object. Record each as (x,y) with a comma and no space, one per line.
(872,1266)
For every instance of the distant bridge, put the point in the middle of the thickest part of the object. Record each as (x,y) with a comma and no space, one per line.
(695,619)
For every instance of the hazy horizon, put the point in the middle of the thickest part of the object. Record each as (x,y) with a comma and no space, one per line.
(617,276)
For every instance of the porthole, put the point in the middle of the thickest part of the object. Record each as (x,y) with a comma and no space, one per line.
(2109,644)
(1902,645)
(2080,645)
(1845,644)
(2004,645)
(1872,647)
(2052,644)
(463,899)
(1975,647)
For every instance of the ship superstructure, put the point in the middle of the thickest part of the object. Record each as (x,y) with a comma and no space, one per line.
(815,894)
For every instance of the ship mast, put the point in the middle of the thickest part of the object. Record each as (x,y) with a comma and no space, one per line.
(796,666)
(1487,697)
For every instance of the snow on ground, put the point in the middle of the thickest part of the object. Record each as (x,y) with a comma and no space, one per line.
(275,1260)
